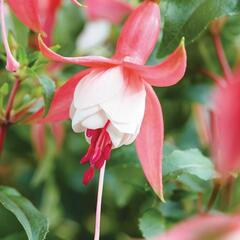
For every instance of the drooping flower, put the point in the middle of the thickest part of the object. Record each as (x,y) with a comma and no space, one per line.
(225,120)
(221,227)
(38,15)
(113,101)
(221,122)
(118,90)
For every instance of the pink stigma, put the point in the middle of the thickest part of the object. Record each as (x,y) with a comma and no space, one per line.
(98,152)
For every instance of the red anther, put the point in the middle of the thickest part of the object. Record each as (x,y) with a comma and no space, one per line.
(107,152)
(96,156)
(88,175)
(85,159)
(90,132)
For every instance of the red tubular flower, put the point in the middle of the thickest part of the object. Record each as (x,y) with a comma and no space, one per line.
(38,15)
(118,90)
(222,227)
(226,128)
(224,123)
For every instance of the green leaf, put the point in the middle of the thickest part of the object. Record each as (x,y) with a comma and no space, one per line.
(189,18)
(151,224)
(33,222)
(4,89)
(191,162)
(48,86)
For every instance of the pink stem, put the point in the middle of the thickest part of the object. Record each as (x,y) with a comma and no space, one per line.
(222,57)
(217,79)
(12,63)
(99,202)
(11,99)
(6,124)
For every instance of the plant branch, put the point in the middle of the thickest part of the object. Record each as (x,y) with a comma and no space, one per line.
(222,57)
(213,197)
(4,126)
(11,99)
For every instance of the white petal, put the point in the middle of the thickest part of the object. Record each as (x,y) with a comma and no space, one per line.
(95,121)
(115,135)
(130,127)
(81,114)
(99,86)
(78,128)
(93,35)
(127,107)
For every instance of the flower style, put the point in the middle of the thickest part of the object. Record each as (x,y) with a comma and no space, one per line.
(38,15)
(113,99)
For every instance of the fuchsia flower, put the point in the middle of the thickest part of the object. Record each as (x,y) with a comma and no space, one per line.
(225,121)
(221,227)
(38,15)
(224,129)
(113,101)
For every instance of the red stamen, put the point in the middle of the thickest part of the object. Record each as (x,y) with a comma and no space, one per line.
(98,152)
(88,175)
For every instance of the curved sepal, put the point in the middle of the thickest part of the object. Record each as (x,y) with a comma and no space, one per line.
(149,142)
(167,73)
(88,61)
(139,34)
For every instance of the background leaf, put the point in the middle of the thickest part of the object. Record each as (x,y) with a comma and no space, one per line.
(188,162)
(48,86)
(33,222)
(197,15)
(151,224)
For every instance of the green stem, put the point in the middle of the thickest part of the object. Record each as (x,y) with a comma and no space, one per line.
(213,197)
